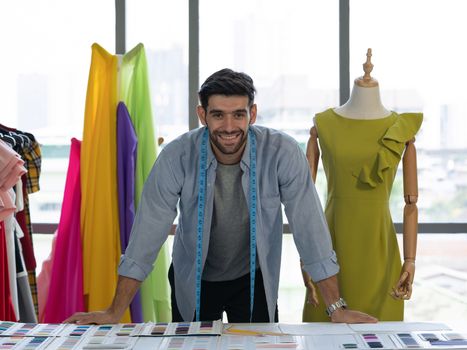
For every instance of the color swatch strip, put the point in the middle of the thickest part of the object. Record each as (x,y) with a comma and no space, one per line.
(372,341)
(408,340)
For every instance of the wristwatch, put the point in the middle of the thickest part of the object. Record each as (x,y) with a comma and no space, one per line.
(334,306)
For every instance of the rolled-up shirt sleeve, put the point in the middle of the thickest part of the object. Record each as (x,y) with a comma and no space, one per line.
(306,218)
(323,269)
(131,268)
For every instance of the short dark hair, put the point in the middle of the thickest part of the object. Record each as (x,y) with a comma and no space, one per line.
(228,83)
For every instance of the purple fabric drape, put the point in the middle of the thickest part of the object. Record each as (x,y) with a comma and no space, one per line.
(126,161)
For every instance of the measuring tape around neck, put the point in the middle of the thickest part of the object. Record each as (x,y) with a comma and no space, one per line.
(252,219)
(200,225)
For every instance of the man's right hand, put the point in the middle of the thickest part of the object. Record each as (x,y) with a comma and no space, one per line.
(96,317)
(126,289)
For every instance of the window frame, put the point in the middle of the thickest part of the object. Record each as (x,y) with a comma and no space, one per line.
(193,84)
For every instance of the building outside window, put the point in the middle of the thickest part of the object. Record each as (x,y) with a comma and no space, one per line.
(292,52)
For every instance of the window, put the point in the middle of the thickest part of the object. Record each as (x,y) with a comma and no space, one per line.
(163,29)
(46,59)
(420,65)
(289,51)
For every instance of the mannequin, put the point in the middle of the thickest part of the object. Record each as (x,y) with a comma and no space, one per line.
(365,101)
(364,106)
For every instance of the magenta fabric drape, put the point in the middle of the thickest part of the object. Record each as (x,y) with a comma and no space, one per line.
(66,280)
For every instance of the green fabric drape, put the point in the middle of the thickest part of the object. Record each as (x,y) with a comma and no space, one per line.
(135,93)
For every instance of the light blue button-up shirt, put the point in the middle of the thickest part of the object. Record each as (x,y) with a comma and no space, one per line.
(283,176)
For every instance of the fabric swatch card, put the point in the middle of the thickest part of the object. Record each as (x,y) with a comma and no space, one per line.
(65,343)
(10,342)
(183,329)
(30,329)
(109,342)
(25,343)
(121,329)
(390,326)
(231,342)
(380,341)
(438,340)
(334,341)
(103,330)
(128,329)
(189,343)
(6,327)
(76,330)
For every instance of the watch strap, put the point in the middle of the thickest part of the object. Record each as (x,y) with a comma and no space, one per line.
(340,303)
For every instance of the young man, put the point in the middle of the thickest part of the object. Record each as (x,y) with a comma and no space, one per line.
(228,179)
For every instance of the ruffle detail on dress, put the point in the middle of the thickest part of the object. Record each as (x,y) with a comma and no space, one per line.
(392,147)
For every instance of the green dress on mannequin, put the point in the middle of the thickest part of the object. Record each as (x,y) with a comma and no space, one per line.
(360,159)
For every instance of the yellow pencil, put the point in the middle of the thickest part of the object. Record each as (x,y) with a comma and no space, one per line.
(251,332)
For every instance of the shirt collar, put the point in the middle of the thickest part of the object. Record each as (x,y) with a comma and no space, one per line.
(245,160)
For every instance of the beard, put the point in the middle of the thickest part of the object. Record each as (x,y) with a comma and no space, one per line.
(216,139)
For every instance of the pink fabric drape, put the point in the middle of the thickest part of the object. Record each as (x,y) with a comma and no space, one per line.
(66,279)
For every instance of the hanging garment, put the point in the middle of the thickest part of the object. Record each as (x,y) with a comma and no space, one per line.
(19,201)
(7,206)
(24,220)
(99,201)
(360,159)
(27,310)
(11,167)
(11,170)
(16,138)
(135,92)
(10,239)
(28,148)
(66,278)
(126,159)
(43,279)
(7,313)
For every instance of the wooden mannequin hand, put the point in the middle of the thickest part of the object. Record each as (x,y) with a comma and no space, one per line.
(312,297)
(403,288)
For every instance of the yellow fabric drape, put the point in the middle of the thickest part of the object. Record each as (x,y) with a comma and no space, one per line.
(99,203)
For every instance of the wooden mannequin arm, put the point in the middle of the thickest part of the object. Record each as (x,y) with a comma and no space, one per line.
(403,289)
(409,163)
(312,152)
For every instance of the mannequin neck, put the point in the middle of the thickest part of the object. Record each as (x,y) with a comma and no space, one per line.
(364,103)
